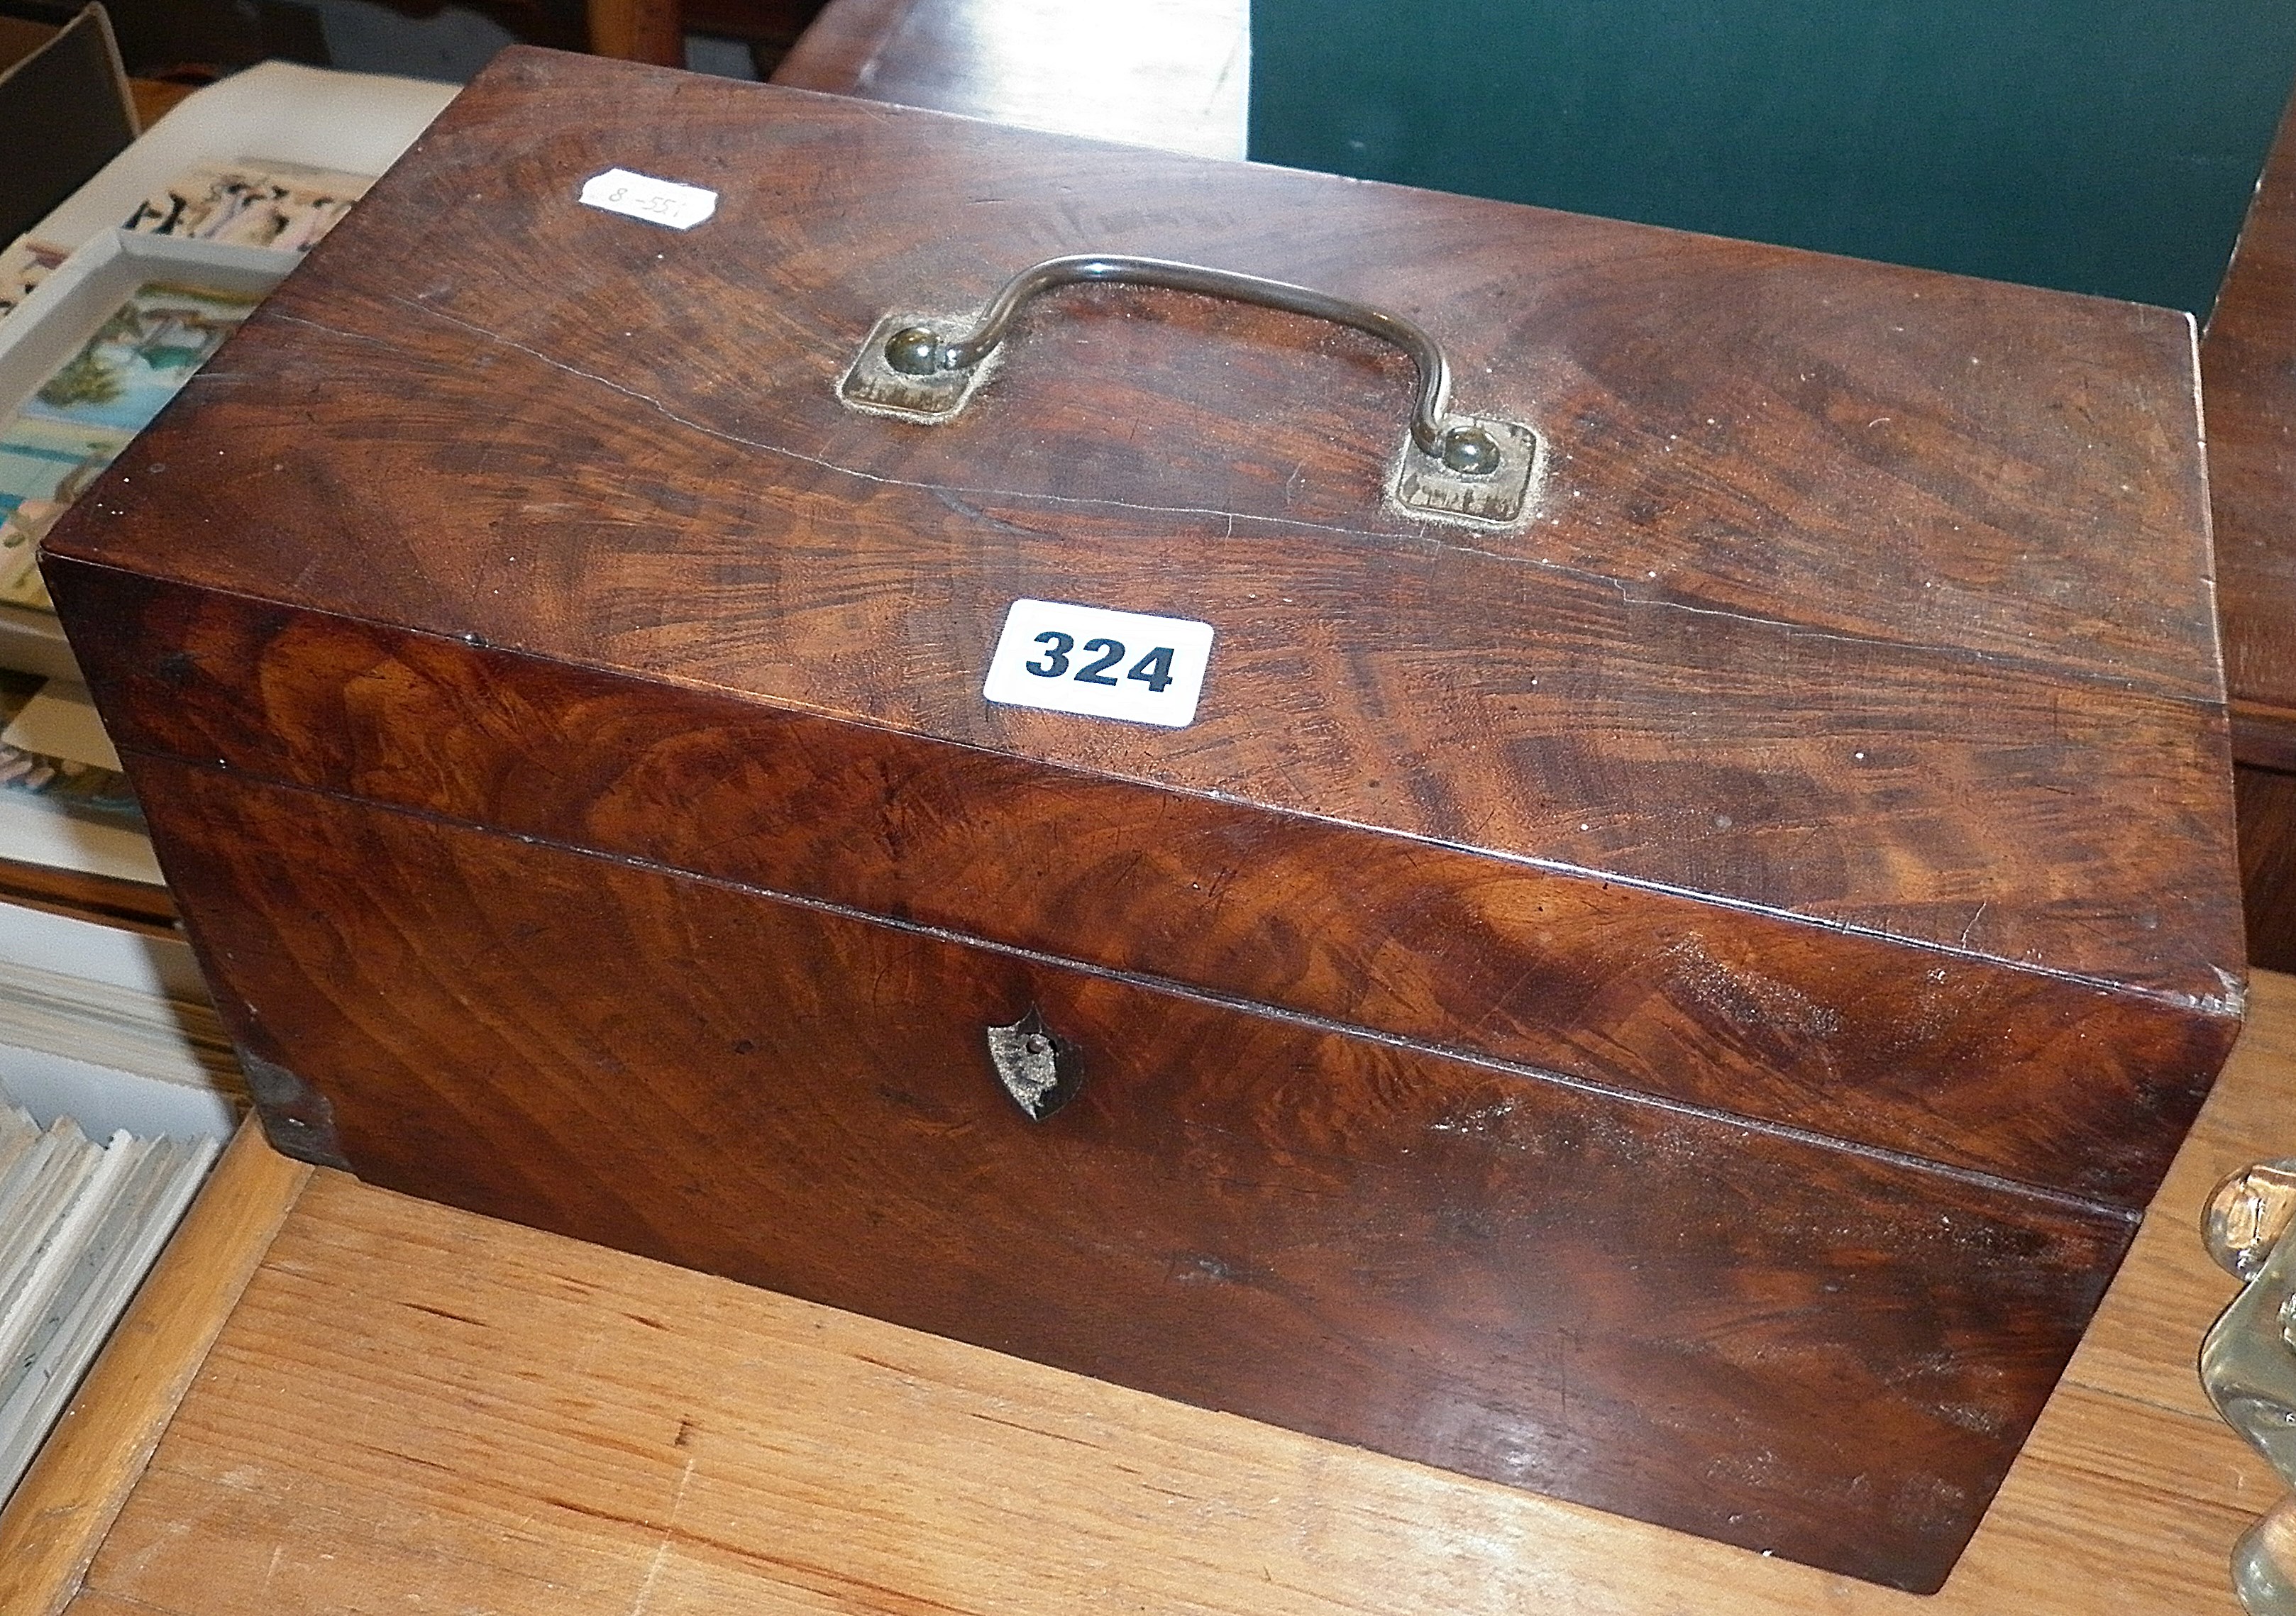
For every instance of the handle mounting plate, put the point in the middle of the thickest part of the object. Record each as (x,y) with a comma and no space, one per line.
(1424,486)
(875,388)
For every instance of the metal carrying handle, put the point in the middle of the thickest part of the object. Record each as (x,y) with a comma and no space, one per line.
(1468,450)
(1477,471)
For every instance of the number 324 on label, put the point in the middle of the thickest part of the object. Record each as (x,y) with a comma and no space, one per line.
(1104,664)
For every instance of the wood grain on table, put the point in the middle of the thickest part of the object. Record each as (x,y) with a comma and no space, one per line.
(416,1409)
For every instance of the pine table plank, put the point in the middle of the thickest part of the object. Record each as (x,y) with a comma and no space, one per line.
(414,1410)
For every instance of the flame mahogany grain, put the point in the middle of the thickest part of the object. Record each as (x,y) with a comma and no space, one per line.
(1753,1013)
(1564,1290)
(1678,1006)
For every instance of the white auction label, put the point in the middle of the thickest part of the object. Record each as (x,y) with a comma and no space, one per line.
(659,201)
(1101,663)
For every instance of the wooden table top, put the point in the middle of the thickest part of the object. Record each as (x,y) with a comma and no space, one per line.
(414,1410)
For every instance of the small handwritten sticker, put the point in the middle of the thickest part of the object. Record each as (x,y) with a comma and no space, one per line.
(658,201)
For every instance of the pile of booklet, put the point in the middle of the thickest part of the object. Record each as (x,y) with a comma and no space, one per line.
(80,1224)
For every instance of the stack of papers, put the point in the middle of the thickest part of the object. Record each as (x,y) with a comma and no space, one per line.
(80,1224)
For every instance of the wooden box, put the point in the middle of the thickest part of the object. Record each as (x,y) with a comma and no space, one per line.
(1676,999)
(2248,364)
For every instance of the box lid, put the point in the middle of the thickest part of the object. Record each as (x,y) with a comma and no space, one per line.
(1839,743)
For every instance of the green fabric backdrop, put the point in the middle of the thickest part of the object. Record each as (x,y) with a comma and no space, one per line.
(2096,146)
